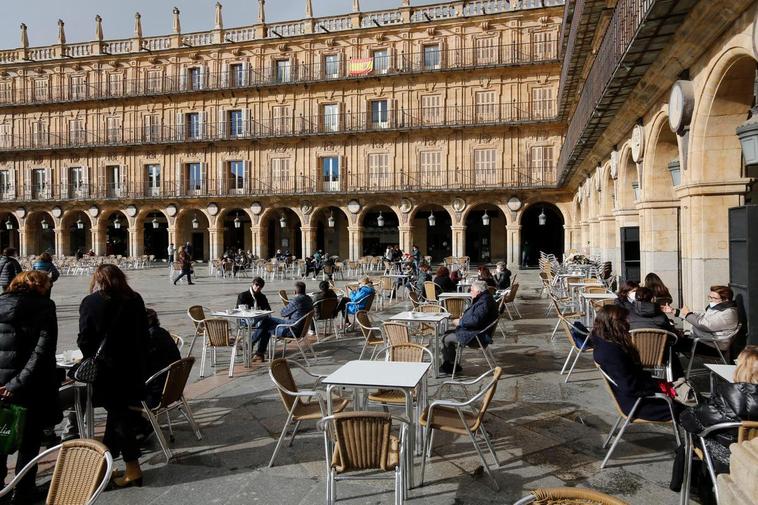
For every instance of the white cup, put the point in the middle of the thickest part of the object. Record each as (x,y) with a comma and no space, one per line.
(243,308)
(68,356)
(229,311)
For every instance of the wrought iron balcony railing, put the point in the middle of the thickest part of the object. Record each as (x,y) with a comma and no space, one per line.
(443,180)
(244,77)
(194,130)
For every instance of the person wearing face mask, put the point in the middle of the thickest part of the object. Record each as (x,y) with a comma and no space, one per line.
(626,295)
(719,320)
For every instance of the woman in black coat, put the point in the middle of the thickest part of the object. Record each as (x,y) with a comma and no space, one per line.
(28,338)
(442,279)
(619,359)
(643,313)
(116,314)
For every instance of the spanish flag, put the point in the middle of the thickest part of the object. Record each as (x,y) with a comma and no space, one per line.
(361,66)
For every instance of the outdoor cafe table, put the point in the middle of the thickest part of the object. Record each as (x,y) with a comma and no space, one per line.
(586,297)
(445,296)
(251,316)
(435,318)
(365,374)
(86,420)
(726,372)
(463,287)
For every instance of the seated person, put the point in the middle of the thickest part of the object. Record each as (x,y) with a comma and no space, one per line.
(718,321)
(358,299)
(643,313)
(481,313)
(161,352)
(626,296)
(423,276)
(502,276)
(661,294)
(442,279)
(295,310)
(728,403)
(486,276)
(325,293)
(253,297)
(619,359)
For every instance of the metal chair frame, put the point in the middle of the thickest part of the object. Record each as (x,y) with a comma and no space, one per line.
(367,332)
(207,345)
(303,337)
(715,341)
(485,350)
(567,326)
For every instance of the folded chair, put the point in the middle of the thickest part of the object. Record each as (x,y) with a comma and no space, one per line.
(462,418)
(364,441)
(175,376)
(630,418)
(300,404)
(82,471)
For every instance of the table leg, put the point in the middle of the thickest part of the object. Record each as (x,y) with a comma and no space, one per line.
(78,410)
(329,399)
(90,414)
(436,350)
(411,449)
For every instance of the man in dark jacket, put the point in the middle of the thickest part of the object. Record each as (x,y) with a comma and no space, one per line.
(9,267)
(253,297)
(297,307)
(481,313)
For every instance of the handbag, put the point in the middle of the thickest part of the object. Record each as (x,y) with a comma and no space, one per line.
(685,393)
(12,420)
(89,369)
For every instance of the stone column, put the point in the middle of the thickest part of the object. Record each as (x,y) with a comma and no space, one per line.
(255,239)
(584,246)
(136,241)
(459,240)
(215,242)
(513,244)
(609,242)
(99,246)
(308,239)
(23,241)
(355,241)
(659,248)
(572,237)
(58,241)
(94,234)
(405,237)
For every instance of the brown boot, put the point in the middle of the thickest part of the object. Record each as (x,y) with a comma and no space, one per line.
(258,358)
(132,476)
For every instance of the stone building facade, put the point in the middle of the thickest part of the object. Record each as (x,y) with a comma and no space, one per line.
(434,125)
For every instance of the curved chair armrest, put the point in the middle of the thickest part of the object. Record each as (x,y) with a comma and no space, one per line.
(404,423)
(657,396)
(304,369)
(718,427)
(160,372)
(468,383)
(291,325)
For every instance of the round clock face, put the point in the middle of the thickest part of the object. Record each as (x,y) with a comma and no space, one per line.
(676,107)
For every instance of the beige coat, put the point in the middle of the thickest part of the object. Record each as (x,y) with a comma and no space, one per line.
(719,322)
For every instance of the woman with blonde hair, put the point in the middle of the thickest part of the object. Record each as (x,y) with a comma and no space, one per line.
(28,338)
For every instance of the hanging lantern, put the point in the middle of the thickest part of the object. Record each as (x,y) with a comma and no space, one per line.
(195,223)
(79,224)
(156,225)
(45,224)
(432,219)
(542,218)
(380,220)
(9,224)
(486,219)
(330,220)
(237,222)
(282,222)
(117,223)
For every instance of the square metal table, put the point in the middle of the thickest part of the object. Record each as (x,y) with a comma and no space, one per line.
(726,372)
(586,297)
(251,316)
(364,374)
(435,318)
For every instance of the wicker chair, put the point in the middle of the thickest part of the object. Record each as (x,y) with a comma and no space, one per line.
(455,307)
(302,336)
(82,471)
(396,333)
(409,353)
(196,313)
(179,341)
(428,329)
(462,418)
(372,334)
(364,441)
(430,291)
(509,301)
(283,296)
(218,335)
(300,404)
(175,376)
(327,312)
(652,344)
(386,290)
(478,342)
(568,496)
(415,300)
(630,418)
(566,325)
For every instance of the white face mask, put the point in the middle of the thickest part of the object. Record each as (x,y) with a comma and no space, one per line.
(712,304)
(631,297)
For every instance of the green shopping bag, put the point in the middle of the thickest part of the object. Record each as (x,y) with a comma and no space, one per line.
(12,418)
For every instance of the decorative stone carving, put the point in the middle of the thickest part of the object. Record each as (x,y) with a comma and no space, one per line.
(171,210)
(94,211)
(354,206)
(459,204)
(21,213)
(306,207)
(131,210)
(514,203)
(638,143)
(614,165)
(56,212)
(681,105)
(212,209)
(256,208)
(405,206)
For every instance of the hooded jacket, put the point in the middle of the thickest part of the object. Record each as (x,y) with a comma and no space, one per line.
(648,315)
(9,268)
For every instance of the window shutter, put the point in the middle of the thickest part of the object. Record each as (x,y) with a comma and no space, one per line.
(245,73)
(202,119)
(183,78)
(248,121)
(221,127)
(64,182)
(85,181)
(180,131)
(225,69)
(48,183)
(246,173)
(178,178)
(12,182)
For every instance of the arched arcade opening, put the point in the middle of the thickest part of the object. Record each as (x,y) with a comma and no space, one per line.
(541,230)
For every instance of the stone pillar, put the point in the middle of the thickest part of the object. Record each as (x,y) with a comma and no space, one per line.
(58,241)
(405,237)
(136,241)
(459,240)
(94,234)
(255,240)
(572,237)
(215,242)
(308,239)
(609,242)
(594,237)
(99,245)
(23,241)
(659,248)
(513,244)
(355,241)
(584,245)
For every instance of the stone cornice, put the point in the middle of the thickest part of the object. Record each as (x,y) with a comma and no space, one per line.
(713,188)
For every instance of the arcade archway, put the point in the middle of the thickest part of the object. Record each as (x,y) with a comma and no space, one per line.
(541,230)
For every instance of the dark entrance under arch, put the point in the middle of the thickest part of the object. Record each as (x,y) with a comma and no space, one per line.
(536,237)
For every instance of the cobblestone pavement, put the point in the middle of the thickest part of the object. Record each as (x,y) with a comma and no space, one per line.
(546,432)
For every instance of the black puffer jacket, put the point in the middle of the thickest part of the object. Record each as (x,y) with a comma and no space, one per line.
(648,315)
(9,268)
(728,403)
(28,338)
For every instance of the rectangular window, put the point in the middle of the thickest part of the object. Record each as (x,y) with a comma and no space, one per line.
(151,128)
(485,170)
(485,51)
(77,87)
(113,129)
(332,66)
(432,56)
(194,177)
(541,169)
(330,169)
(236,176)
(280,119)
(381,61)
(379,114)
(40,90)
(6,139)
(486,109)
(542,46)
(431,112)
(115,85)
(5,183)
(76,132)
(330,114)
(543,106)
(280,174)
(6,92)
(236,75)
(193,125)
(430,168)
(236,123)
(39,134)
(39,183)
(154,81)
(195,78)
(113,180)
(283,71)
(75,181)
(378,171)
(153,179)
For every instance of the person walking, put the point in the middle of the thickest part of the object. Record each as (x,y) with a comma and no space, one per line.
(9,267)
(28,339)
(171,250)
(113,316)
(185,260)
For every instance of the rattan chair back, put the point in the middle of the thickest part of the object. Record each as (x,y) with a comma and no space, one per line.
(364,322)
(396,333)
(411,353)
(510,296)
(78,472)
(651,345)
(176,380)
(369,301)
(306,326)
(283,296)
(362,441)
(413,297)
(387,283)
(455,306)
(571,496)
(430,291)
(217,331)
(595,289)
(430,308)
(281,373)
(748,431)
(196,314)
(327,308)
(487,398)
